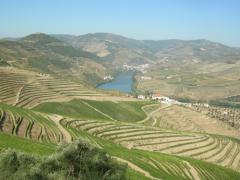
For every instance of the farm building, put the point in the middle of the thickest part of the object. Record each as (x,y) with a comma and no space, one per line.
(141,97)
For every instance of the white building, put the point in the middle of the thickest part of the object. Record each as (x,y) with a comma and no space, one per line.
(108,77)
(141,97)
(157,96)
(146,77)
(164,99)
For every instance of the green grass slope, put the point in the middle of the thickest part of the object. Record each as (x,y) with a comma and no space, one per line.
(73,109)
(159,165)
(25,145)
(109,135)
(122,111)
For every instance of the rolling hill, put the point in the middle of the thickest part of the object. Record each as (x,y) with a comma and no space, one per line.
(48,98)
(45,54)
(121,50)
(178,68)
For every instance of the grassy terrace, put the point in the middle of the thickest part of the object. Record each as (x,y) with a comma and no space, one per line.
(131,142)
(160,165)
(27,89)
(121,111)
(73,109)
(26,145)
(211,148)
(216,149)
(102,110)
(48,89)
(9,84)
(29,124)
(45,149)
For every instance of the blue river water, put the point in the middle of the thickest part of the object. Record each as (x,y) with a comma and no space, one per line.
(123,82)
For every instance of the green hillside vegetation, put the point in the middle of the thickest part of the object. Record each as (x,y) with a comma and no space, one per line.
(28,124)
(122,50)
(183,69)
(130,142)
(45,54)
(73,109)
(86,109)
(160,165)
(74,161)
(54,123)
(25,145)
(27,88)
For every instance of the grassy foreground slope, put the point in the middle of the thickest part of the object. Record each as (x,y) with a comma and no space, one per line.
(25,145)
(78,160)
(216,149)
(115,138)
(158,165)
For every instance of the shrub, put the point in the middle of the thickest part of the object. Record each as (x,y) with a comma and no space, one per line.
(78,160)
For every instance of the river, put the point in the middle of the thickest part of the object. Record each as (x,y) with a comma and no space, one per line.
(123,82)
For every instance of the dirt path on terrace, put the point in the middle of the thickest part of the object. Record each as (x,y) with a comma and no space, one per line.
(136,168)
(57,119)
(95,109)
(18,95)
(193,171)
(149,116)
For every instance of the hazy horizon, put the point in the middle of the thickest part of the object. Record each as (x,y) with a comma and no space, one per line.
(16,37)
(214,20)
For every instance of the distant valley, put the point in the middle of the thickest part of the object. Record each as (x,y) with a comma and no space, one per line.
(183,69)
(169,111)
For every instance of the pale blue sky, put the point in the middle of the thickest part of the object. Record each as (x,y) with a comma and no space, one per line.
(216,20)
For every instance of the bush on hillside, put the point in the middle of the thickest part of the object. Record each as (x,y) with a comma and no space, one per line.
(75,161)
(224,103)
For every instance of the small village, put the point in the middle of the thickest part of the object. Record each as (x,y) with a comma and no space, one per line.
(158,97)
(169,101)
(142,67)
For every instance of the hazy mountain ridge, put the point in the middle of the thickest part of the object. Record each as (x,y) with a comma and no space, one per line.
(107,45)
(92,56)
(46,54)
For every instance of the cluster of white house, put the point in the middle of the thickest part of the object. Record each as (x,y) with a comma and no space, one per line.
(160,98)
(146,77)
(142,67)
(43,75)
(108,77)
(166,100)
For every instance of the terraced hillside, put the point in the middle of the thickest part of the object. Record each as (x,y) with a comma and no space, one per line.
(184,118)
(49,89)
(191,80)
(10,83)
(28,124)
(221,150)
(224,114)
(157,141)
(138,145)
(156,165)
(28,89)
